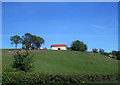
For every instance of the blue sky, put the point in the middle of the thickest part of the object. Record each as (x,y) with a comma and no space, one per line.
(94,23)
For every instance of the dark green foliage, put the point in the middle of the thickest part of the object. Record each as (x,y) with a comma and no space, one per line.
(32,41)
(107,54)
(16,40)
(78,46)
(101,51)
(23,61)
(33,47)
(30,79)
(37,41)
(115,55)
(118,55)
(95,50)
(27,40)
(114,52)
(85,46)
(11,70)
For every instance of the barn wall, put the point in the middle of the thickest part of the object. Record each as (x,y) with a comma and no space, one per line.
(56,48)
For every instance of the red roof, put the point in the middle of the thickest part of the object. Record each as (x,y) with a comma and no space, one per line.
(59,45)
(45,48)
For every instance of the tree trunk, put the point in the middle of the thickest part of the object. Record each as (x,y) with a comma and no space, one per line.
(16,46)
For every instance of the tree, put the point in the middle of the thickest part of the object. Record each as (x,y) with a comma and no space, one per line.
(107,54)
(101,51)
(114,53)
(34,37)
(78,46)
(118,55)
(16,40)
(27,40)
(37,41)
(85,46)
(95,50)
(32,41)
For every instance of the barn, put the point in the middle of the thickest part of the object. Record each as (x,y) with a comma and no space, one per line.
(59,47)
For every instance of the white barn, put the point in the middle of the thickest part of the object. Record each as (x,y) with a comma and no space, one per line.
(59,47)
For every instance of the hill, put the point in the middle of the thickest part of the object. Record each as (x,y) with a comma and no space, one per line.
(67,62)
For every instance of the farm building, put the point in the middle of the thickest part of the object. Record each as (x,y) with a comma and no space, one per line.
(45,48)
(59,47)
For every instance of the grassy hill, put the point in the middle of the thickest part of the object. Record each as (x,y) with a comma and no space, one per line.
(62,66)
(67,62)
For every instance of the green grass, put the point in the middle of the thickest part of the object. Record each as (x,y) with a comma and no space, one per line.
(67,65)
(67,62)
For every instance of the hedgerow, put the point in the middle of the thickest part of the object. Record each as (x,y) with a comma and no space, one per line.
(27,78)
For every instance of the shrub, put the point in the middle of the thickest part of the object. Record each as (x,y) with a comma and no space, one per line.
(11,70)
(23,61)
(111,56)
(22,78)
(118,55)
(107,54)
(78,46)
(101,51)
(68,48)
(95,50)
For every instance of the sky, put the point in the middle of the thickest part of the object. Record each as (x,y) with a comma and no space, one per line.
(94,23)
(60,0)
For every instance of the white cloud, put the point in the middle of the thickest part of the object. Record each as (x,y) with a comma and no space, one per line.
(98,26)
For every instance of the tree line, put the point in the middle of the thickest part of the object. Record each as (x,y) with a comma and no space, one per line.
(114,54)
(28,41)
(80,46)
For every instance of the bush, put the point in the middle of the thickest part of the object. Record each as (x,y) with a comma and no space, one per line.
(22,78)
(23,61)
(11,70)
(95,50)
(114,52)
(78,46)
(101,51)
(118,55)
(111,56)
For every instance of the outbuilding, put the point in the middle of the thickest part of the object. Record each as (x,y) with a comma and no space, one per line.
(59,47)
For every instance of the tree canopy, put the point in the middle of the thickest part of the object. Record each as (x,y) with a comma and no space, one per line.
(28,41)
(37,41)
(78,46)
(101,51)
(16,40)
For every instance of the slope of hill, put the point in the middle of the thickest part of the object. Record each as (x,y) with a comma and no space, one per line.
(67,62)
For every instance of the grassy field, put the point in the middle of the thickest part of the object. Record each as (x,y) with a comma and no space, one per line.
(62,66)
(67,62)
